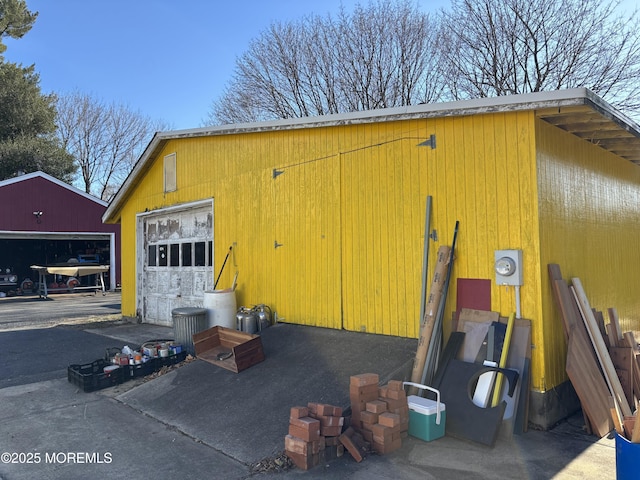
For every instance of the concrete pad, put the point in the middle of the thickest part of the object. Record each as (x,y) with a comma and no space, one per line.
(246,414)
(201,421)
(70,435)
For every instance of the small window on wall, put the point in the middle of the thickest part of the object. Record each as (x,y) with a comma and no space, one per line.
(174,257)
(186,255)
(151,260)
(170,180)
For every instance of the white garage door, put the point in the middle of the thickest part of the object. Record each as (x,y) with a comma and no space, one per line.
(177,265)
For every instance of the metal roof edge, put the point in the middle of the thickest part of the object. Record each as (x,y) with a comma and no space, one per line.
(611,113)
(525,101)
(507,103)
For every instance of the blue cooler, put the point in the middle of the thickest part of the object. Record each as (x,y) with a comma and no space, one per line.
(426,417)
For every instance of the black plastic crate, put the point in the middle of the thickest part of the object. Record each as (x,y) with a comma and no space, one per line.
(142,370)
(171,359)
(91,376)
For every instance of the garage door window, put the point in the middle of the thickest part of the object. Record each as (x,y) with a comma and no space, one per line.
(153,261)
(162,255)
(174,258)
(186,254)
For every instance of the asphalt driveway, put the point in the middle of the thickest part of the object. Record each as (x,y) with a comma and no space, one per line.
(34,312)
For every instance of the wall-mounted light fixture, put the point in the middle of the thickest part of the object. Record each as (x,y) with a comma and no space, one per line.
(37,214)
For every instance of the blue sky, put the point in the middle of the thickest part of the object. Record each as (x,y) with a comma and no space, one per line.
(167,59)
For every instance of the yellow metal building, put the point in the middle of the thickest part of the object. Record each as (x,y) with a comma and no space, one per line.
(324,218)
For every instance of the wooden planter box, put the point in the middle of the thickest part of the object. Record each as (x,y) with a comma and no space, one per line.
(228,348)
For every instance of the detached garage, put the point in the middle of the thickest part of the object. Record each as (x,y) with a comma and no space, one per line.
(44,221)
(326,216)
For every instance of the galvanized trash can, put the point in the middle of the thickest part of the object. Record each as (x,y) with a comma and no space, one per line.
(186,322)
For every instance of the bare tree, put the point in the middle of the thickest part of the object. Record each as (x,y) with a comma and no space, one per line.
(375,57)
(494,48)
(105,140)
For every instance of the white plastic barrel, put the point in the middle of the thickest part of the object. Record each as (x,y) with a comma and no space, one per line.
(221,308)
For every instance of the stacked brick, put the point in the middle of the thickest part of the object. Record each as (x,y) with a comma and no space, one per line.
(316,434)
(380,414)
(303,444)
(379,420)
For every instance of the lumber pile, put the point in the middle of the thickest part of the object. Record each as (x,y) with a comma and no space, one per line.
(602,361)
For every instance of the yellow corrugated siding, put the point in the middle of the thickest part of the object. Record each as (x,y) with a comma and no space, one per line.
(483,175)
(589,225)
(349,211)
(383,199)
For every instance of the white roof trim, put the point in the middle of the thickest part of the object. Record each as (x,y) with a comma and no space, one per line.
(528,101)
(60,183)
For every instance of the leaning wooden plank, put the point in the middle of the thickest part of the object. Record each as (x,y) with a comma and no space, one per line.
(630,340)
(429,321)
(584,373)
(564,300)
(623,360)
(601,350)
(615,326)
(635,434)
(615,416)
(609,337)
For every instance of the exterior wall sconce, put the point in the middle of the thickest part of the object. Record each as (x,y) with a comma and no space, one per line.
(37,214)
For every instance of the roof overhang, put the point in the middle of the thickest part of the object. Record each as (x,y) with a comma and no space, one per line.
(577,111)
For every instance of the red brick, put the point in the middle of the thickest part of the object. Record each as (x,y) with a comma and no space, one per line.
(331,431)
(298,445)
(367,391)
(380,432)
(326,421)
(369,417)
(309,432)
(307,423)
(351,447)
(320,408)
(364,379)
(389,419)
(377,406)
(298,412)
(395,385)
(397,395)
(393,404)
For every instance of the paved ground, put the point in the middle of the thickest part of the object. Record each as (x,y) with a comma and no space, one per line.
(34,312)
(201,421)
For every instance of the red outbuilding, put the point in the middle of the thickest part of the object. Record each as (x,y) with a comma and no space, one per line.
(44,221)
